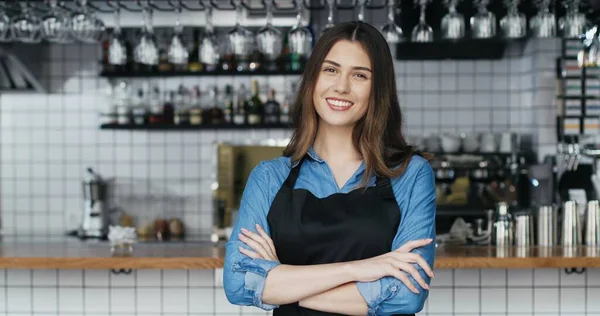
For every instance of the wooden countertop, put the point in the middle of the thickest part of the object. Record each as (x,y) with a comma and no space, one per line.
(64,253)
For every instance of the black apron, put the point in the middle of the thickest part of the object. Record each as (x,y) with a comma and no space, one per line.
(307,230)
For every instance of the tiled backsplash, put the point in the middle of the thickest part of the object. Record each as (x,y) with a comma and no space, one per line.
(487,292)
(47,141)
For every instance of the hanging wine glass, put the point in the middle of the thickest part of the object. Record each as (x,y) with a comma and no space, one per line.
(269,39)
(146,51)
(422,32)
(56,26)
(589,53)
(361,10)
(178,54)
(483,23)
(514,24)
(330,23)
(117,49)
(543,24)
(453,23)
(390,30)
(573,23)
(241,40)
(26,27)
(209,47)
(5,25)
(85,27)
(300,41)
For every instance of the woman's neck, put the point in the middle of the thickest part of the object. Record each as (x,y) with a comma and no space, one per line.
(334,144)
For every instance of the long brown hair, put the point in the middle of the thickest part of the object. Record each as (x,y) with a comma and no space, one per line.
(378,135)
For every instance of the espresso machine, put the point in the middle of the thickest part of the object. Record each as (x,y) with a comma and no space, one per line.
(95,216)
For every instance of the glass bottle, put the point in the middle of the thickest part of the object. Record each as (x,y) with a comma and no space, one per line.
(272,109)
(255,106)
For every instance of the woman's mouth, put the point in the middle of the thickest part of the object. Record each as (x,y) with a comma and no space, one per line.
(339,104)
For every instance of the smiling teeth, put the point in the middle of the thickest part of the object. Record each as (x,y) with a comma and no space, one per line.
(340,103)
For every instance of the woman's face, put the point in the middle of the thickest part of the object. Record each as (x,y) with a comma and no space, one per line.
(343,88)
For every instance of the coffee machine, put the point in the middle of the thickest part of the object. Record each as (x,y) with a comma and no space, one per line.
(95,216)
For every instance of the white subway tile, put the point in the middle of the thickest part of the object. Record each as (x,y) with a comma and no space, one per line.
(149,300)
(593,277)
(18,277)
(45,300)
(572,300)
(47,277)
(96,277)
(545,299)
(176,278)
(148,277)
(593,303)
(440,301)
(175,300)
(70,277)
(520,300)
(122,300)
(493,300)
(96,300)
(466,277)
(466,301)
(201,300)
(493,277)
(520,277)
(573,279)
(18,299)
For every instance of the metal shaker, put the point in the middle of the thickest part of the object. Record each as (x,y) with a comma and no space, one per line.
(503,229)
(592,224)
(547,226)
(523,230)
(571,225)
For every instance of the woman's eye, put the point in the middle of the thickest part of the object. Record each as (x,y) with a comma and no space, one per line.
(361,76)
(329,70)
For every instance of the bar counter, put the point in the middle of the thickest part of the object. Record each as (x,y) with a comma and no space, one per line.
(65,253)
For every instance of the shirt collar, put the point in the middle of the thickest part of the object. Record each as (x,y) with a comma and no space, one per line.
(312,154)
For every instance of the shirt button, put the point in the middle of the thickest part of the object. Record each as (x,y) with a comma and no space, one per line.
(394,288)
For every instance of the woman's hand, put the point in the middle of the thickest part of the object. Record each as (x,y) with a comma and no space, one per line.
(397,263)
(261,243)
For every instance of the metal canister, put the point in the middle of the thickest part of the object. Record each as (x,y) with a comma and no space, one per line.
(592,224)
(503,229)
(547,226)
(523,230)
(571,225)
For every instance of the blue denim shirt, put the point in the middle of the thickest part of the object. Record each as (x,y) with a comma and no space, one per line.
(244,277)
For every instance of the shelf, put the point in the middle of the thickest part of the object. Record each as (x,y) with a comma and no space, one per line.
(171,127)
(471,49)
(129,74)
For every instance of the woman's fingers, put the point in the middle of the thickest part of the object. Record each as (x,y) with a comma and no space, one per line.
(249,253)
(264,235)
(403,278)
(416,258)
(251,241)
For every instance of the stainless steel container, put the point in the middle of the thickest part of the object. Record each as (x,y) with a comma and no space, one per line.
(547,226)
(571,225)
(503,229)
(523,230)
(592,224)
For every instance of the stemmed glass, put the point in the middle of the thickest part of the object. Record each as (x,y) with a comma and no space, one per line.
(422,32)
(483,23)
(85,27)
(241,40)
(330,23)
(269,39)
(178,53)
(117,49)
(543,24)
(588,55)
(300,41)
(453,23)
(26,27)
(514,24)
(573,24)
(390,30)
(5,25)
(56,26)
(209,48)
(146,51)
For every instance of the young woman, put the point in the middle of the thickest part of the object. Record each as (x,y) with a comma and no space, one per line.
(343,222)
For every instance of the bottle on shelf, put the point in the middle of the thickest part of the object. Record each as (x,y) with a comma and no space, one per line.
(272,109)
(255,106)
(196,109)
(181,107)
(155,107)
(228,101)
(239,113)
(194,64)
(217,114)
(168,110)
(139,110)
(163,48)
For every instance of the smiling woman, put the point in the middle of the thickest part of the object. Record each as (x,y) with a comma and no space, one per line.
(343,222)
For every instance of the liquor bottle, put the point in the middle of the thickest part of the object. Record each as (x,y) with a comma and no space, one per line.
(155,115)
(239,114)
(182,116)
(196,109)
(217,115)
(194,64)
(163,48)
(272,109)
(228,115)
(255,106)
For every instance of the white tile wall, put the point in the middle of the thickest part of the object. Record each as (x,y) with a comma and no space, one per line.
(200,292)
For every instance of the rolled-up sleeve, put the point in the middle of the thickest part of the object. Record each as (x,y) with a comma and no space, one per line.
(389,295)
(244,277)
